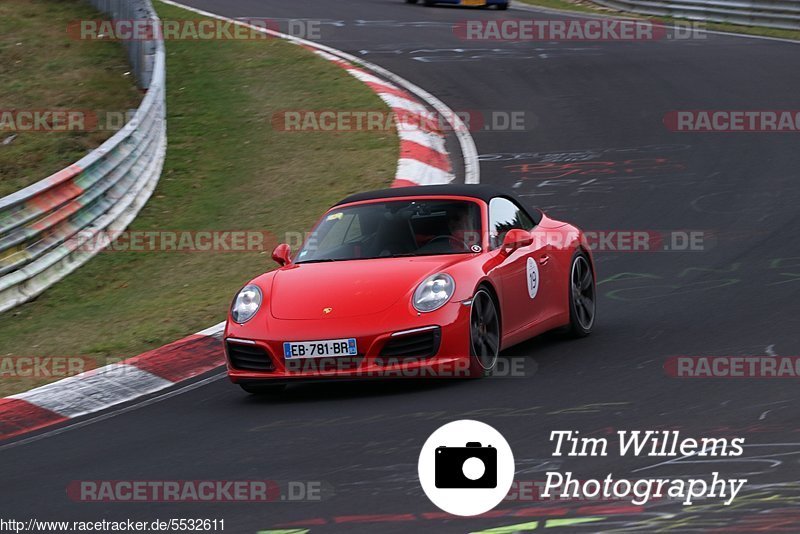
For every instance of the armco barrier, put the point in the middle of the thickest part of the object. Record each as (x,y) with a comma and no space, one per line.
(43,227)
(782,14)
(141,53)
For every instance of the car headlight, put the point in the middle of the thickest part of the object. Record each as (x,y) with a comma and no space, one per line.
(246,304)
(434,292)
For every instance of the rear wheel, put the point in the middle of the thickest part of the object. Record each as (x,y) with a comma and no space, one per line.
(484,333)
(582,296)
(502,7)
(411,1)
(264,390)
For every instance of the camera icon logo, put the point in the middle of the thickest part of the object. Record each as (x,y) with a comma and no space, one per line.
(466,467)
(472,466)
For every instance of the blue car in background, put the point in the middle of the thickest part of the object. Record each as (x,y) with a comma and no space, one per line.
(500,4)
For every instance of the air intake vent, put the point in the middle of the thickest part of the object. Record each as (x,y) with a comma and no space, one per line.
(413,345)
(248,357)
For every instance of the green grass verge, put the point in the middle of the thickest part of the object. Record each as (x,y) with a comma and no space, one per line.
(226,169)
(585,6)
(42,68)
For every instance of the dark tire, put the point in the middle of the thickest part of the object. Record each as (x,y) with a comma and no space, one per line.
(411,1)
(484,334)
(582,296)
(429,3)
(502,7)
(264,390)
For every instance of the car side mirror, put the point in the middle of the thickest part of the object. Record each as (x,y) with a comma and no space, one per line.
(282,254)
(516,238)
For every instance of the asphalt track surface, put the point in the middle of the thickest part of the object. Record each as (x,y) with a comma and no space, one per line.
(605,102)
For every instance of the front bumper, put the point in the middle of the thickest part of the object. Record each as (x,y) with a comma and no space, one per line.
(431,345)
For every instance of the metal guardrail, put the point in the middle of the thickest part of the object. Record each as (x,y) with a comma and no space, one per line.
(781,14)
(141,53)
(45,227)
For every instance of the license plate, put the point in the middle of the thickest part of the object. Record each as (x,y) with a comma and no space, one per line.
(326,348)
(473,2)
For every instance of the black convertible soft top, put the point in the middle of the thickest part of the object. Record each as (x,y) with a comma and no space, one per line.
(482,192)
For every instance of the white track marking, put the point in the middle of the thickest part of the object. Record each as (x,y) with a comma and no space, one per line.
(410,132)
(423,173)
(94,390)
(102,417)
(212,330)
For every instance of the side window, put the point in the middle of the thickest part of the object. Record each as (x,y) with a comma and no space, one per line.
(504,215)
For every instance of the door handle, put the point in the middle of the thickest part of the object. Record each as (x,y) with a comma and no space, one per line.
(543,259)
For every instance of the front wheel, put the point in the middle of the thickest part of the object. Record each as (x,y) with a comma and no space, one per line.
(582,296)
(502,7)
(411,1)
(484,334)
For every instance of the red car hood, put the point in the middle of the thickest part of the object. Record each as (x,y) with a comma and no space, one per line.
(349,288)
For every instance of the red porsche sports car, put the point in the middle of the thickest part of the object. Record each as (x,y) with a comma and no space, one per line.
(413,281)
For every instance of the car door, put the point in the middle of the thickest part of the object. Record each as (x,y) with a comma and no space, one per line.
(524,272)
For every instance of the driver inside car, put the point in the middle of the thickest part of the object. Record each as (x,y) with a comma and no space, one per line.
(463,229)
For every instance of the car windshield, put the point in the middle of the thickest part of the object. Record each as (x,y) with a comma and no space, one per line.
(394,229)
